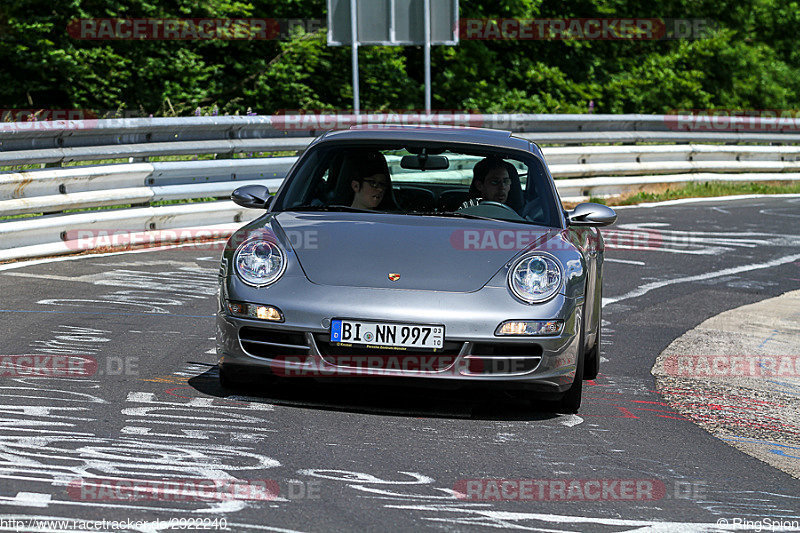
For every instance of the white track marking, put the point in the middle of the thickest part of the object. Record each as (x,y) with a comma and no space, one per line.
(28,499)
(570,420)
(624,261)
(645,237)
(88,278)
(476,516)
(360,477)
(644,289)
(450,494)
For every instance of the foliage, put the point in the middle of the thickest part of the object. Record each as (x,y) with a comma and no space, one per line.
(749,61)
(707,190)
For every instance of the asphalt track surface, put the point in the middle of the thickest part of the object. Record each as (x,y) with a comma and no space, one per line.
(377,457)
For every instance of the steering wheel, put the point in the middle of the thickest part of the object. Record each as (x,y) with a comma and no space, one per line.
(497,204)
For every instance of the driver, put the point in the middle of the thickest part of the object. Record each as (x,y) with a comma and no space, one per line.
(490,181)
(372,185)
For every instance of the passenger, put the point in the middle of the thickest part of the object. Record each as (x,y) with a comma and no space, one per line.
(490,181)
(372,187)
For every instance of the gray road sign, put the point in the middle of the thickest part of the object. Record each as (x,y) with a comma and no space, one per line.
(393,22)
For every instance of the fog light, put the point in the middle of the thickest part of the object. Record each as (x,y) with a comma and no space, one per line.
(261,312)
(530,327)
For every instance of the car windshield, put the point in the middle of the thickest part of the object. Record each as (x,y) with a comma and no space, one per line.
(423,181)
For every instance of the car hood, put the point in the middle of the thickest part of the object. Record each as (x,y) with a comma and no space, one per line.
(428,253)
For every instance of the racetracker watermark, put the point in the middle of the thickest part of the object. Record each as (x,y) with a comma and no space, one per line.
(67,366)
(732,366)
(553,490)
(51,366)
(397,365)
(553,240)
(201,238)
(738,120)
(239,29)
(115,489)
(584,29)
(488,239)
(47,119)
(305,120)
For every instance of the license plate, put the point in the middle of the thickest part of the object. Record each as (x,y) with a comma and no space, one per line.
(387,334)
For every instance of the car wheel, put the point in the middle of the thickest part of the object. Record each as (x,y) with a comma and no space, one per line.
(231,378)
(570,402)
(592,368)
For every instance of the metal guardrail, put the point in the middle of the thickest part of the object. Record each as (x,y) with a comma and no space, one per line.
(66,141)
(79,232)
(228,148)
(592,170)
(54,190)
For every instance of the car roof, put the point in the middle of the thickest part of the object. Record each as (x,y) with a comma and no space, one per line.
(434,134)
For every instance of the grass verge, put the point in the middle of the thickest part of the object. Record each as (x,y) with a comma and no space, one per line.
(662,193)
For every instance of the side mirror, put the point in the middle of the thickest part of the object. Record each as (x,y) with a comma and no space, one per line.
(252,196)
(589,214)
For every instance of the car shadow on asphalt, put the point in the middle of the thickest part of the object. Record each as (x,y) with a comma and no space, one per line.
(390,397)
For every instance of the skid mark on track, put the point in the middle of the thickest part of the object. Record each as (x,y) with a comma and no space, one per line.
(426,499)
(643,236)
(644,289)
(476,516)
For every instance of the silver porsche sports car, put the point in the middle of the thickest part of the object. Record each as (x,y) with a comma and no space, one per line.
(416,252)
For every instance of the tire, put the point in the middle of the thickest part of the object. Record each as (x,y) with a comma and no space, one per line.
(570,402)
(234,377)
(231,378)
(592,368)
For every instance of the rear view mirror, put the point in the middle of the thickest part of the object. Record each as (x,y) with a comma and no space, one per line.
(425,162)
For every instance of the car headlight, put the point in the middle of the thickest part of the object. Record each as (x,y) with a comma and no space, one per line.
(259,262)
(535,278)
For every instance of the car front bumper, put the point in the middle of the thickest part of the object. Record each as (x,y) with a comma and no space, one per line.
(299,347)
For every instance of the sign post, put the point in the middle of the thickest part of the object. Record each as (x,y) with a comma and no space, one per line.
(354,41)
(392,23)
(427,54)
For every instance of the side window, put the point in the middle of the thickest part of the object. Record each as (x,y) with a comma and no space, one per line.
(539,205)
(303,187)
(320,193)
(522,171)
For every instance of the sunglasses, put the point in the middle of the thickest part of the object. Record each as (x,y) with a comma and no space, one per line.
(497,181)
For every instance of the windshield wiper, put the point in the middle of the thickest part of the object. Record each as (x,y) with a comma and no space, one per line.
(453,214)
(459,214)
(335,207)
